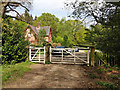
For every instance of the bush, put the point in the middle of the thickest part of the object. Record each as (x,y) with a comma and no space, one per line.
(14,45)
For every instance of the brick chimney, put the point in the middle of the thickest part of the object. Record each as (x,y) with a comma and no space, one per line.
(38,24)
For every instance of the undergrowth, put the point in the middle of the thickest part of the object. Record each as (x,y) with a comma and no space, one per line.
(12,72)
(105,84)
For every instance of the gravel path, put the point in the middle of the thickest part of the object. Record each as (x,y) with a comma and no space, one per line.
(54,76)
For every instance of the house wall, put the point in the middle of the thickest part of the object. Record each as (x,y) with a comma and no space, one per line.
(30,37)
(47,38)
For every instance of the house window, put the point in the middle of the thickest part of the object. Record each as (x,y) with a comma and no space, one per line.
(29,34)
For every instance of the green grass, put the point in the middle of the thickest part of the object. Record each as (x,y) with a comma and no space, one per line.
(12,72)
(109,70)
(92,75)
(47,62)
(100,70)
(41,53)
(115,77)
(105,84)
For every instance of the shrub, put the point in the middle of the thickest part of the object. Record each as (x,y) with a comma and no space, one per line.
(14,44)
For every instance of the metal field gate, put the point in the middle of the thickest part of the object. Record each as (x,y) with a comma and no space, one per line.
(37,54)
(69,55)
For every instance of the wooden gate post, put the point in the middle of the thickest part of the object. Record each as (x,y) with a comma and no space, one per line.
(47,54)
(92,56)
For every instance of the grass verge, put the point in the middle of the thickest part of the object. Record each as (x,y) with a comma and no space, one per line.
(12,72)
(106,85)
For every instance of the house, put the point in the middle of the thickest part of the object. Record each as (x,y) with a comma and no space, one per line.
(32,33)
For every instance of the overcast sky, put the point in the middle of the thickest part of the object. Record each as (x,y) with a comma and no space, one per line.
(55,7)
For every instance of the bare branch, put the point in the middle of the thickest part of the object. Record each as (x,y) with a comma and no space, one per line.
(16,18)
(20,5)
(14,11)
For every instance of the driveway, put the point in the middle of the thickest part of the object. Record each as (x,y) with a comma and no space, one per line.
(54,76)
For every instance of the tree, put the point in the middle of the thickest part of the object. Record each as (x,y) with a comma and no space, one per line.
(27,17)
(47,19)
(42,34)
(35,18)
(71,32)
(106,32)
(13,42)
(98,11)
(9,6)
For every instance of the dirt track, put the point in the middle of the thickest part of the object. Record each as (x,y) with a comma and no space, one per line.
(54,76)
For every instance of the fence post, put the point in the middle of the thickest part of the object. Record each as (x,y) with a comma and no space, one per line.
(39,55)
(88,56)
(29,53)
(50,53)
(92,56)
(44,55)
(74,56)
(47,58)
(62,54)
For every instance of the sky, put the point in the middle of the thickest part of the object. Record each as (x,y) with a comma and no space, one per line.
(55,7)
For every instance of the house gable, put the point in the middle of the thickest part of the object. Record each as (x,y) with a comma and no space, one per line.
(32,33)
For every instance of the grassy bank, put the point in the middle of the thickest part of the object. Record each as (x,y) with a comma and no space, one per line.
(12,72)
(105,76)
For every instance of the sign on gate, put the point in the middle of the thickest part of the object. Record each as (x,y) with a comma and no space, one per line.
(37,54)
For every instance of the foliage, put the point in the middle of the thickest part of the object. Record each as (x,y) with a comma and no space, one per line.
(110,70)
(47,62)
(12,72)
(47,19)
(42,34)
(115,77)
(26,17)
(99,71)
(73,33)
(92,75)
(99,11)
(117,68)
(106,39)
(106,84)
(106,33)
(13,42)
